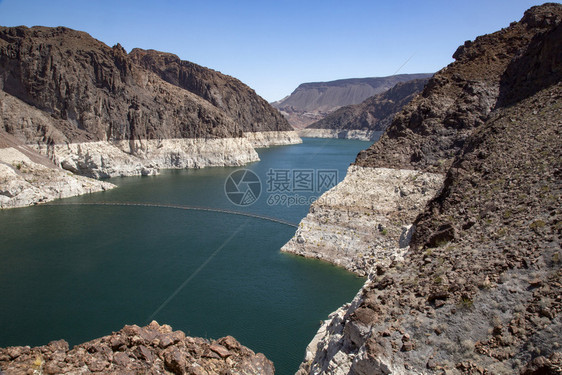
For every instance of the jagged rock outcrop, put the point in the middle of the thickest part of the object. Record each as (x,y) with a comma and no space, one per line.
(432,129)
(100,112)
(367,120)
(154,349)
(478,291)
(313,101)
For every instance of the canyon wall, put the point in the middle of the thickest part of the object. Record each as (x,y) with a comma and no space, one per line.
(99,112)
(474,285)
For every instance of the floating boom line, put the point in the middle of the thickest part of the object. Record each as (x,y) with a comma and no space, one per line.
(178,207)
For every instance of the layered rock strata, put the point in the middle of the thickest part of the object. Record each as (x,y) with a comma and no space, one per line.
(478,290)
(154,349)
(366,219)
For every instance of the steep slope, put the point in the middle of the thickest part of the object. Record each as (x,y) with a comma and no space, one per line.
(474,285)
(250,112)
(154,349)
(98,112)
(311,102)
(431,130)
(368,119)
(98,90)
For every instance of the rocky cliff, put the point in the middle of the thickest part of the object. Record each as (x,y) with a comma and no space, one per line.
(474,285)
(313,101)
(367,120)
(154,349)
(238,101)
(432,129)
(100,112)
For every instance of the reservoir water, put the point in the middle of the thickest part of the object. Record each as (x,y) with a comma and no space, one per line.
(75,270)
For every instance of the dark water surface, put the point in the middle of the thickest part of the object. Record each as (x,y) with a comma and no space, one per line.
(78,272)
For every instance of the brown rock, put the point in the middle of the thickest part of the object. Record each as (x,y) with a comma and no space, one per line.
(121,359)
(491,123)
(165,341)
(183,355)
(374,113)
(230,343)
(96,362)
(407,346)
(111,96)
(174,360)
(144,353)
(220,350)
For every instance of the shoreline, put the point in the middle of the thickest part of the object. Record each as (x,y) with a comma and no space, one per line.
(360,135)
(34,174)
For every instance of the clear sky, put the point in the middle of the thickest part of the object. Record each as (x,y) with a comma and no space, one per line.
(273,46)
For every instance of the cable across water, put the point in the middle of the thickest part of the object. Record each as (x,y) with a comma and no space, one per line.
(179,207)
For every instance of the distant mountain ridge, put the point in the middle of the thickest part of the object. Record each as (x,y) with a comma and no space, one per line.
(312,101)
(368,119)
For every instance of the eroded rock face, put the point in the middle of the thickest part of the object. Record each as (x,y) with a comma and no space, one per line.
(104,94)
(27,178)
(360,135)
(111,159)
(484,296)
(272,138)
(98,112)
(478,291)
(98,91)
(154,349)
(360,222)
(249,111)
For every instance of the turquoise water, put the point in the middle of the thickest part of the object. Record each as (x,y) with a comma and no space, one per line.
(77,272)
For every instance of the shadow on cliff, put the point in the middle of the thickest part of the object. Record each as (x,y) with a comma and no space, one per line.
(539,67)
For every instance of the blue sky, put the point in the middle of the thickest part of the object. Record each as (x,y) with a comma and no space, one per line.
(273,46)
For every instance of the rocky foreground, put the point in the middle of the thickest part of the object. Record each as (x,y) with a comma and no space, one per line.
(474,285)
(154,349)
